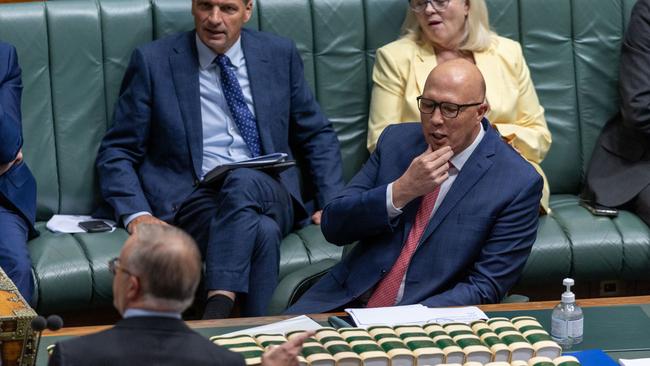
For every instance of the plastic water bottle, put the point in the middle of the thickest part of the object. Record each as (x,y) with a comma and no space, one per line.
(567,319)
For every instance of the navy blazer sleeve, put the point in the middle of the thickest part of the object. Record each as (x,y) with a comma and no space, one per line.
(313,136)
(10,90)
(125,144)
(503,256)
(359,211)
(634,75)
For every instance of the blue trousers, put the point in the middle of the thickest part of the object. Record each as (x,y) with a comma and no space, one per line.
(14,256)
(238,227)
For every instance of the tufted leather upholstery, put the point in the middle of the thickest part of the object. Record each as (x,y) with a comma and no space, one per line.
(74,53)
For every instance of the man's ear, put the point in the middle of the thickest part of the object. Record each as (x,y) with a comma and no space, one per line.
(248,10)
(133,288)
(483,109)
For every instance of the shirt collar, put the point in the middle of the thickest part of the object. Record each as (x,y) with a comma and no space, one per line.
(131,312)
(206,55)
(461,158)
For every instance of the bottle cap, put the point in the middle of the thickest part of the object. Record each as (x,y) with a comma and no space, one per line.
(568,296)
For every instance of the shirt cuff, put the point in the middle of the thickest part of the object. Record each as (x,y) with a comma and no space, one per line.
(390,207)
(127,219)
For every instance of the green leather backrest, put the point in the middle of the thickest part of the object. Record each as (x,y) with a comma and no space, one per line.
(74,53)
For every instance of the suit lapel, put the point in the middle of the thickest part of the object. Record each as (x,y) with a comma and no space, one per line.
(478,163)
(185,73)
(425,61)
(260,71)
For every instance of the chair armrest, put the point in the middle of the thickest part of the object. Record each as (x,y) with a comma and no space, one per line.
(294,284)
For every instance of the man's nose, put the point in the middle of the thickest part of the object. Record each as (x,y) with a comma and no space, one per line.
(436,116)
(215,16)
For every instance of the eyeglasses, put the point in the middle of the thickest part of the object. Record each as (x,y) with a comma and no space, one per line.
(419,6)
(447,109)
(114,266)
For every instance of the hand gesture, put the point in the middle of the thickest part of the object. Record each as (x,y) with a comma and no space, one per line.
(5,167)
(425,173)
(285,354)
(144,219)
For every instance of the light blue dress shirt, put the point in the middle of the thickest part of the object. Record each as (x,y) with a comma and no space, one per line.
(132,312)
(222,142)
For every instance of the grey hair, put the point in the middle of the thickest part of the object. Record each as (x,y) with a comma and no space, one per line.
(168,264)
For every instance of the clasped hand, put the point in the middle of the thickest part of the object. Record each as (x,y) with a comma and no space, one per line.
(426,172)
(5,167)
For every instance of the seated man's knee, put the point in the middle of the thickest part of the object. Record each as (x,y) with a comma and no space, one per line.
(243,177)
(269,234)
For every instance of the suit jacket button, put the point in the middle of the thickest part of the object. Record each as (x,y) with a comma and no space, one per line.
(175,208)
(383,271)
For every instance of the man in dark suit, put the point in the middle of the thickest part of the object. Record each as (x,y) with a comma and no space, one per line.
(619,171)
(17,185)
(200,99)
(154,280)
(445,211)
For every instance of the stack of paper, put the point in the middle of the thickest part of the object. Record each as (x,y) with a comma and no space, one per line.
(414,314)
(635,362)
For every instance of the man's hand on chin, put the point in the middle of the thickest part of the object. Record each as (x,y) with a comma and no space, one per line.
(315,218)
(425,173)
(144,219)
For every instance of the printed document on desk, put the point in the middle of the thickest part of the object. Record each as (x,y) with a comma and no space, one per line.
(414,314)
(634,362)
(301,322)
(274,163)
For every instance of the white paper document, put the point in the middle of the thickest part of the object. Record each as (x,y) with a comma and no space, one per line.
(635,362)
(70,223)
(302,322)
(414,314)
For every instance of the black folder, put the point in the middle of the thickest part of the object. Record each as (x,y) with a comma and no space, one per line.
(270,164)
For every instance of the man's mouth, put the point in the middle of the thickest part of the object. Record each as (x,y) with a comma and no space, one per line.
(438,136)
(215,32)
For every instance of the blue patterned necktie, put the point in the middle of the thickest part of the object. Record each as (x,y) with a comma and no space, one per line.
(243,117)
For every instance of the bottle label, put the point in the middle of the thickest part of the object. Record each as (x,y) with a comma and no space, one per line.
(561,328)
(575,328)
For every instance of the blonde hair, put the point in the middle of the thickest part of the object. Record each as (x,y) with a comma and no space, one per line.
(478,36)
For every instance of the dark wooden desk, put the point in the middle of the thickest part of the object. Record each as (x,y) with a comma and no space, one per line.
(597,321)
(252,322)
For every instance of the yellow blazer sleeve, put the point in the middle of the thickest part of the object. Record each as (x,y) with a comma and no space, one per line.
(387,96)
(528,131)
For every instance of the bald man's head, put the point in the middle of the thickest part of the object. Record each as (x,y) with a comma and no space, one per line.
(167,265)
(461,75)
(457,90)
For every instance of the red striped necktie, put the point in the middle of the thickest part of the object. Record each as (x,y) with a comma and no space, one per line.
(386,292)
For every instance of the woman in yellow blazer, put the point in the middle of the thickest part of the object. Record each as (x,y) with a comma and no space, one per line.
(435,31)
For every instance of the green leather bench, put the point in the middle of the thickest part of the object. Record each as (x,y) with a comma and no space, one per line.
(74,53)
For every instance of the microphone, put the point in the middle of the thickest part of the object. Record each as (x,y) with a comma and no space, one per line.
(54,322)
(38,324)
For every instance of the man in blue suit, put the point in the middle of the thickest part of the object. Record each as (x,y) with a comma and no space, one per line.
(17,185)
(445,211)
(216,95)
